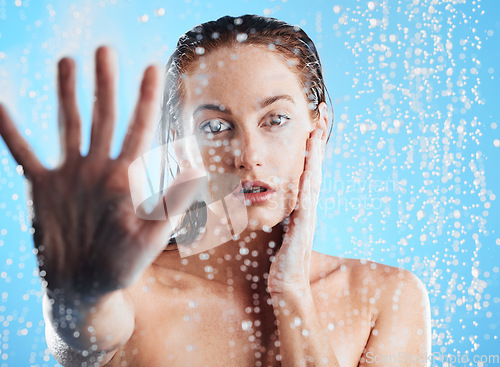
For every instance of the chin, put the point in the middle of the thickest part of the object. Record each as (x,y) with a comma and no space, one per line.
(260,218)
(271,213)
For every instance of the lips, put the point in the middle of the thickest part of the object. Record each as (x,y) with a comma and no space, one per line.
(256,184)
(257,197)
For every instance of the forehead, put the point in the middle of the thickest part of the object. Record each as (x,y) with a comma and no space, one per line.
(229,73)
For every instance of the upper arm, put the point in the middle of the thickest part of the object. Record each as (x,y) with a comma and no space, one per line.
(401,335)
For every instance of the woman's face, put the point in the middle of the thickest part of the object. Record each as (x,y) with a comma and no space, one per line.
(250,117)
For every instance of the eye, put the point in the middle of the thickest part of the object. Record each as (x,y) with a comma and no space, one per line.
(212,127)
(278,119)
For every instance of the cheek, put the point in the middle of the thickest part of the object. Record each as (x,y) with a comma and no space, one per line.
(297,165)
(291,165)
(290,172)
(214,154)
(296,154)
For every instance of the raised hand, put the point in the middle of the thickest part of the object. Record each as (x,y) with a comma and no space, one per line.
(289,271)
(89,240)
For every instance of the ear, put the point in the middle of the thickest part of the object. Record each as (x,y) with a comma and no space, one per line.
(322,122)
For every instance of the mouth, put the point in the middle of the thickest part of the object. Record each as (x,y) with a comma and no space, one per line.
(254,192)
(254,187)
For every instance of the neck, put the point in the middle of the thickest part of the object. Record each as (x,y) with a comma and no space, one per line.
(237,263)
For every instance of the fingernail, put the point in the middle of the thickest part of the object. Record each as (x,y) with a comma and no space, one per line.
(100,59)
(64,68)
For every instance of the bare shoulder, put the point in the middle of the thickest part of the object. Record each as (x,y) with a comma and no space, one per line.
(362,272)
(393,302)
(382,286)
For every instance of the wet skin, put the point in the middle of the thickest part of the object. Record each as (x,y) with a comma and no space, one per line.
(194,320)
(188,320)
(180,315)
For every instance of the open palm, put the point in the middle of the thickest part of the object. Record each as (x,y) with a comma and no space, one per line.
(89,240)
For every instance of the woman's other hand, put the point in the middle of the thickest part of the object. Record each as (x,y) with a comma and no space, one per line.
(289,272)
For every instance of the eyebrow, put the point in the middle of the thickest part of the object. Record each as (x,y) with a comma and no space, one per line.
(264,103)
(270,100)
(211,107)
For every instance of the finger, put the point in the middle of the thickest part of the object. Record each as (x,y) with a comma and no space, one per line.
(103,116)
(305,194)
(324,139)
(69,118)
(315,141)
(310,181)
(315,161)
(141,130)
(19,148)
(303,218)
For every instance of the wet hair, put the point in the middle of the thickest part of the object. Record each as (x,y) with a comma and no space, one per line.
(291,42)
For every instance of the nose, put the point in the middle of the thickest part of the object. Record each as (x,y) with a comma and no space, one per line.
(248,152)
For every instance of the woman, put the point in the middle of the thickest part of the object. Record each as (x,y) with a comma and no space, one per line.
(250,90)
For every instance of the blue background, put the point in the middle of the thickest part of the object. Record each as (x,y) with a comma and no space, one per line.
(411,177)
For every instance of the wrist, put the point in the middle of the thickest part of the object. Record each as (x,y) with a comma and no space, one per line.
(65,307)
(82,323)
(69,309)
(293,290)
(280,284)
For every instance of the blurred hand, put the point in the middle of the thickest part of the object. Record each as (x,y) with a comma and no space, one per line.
(89,240)
(289,272)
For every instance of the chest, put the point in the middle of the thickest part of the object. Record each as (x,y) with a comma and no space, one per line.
(201,330)
(226,329)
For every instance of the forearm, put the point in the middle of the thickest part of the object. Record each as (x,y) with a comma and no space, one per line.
(303,342)
(101,326)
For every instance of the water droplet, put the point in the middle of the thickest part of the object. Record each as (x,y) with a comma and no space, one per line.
(246,325)
(160,12)
(143,18)
(241,37)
